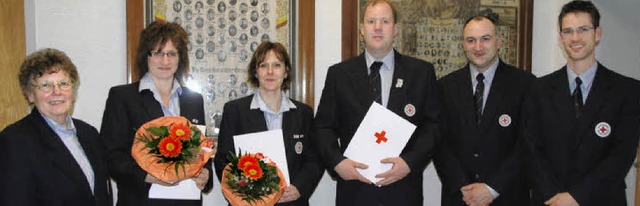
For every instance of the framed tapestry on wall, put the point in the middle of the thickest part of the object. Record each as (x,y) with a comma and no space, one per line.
(432,30)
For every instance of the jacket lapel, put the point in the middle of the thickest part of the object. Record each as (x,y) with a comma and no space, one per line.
(396,94)
(494,98)
(58,153)
(360,82)
(288,126)
(561,96)
(598,94)
(464,98)
(150,105)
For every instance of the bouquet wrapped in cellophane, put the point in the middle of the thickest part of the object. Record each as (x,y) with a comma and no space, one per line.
(171,149)
(252,179)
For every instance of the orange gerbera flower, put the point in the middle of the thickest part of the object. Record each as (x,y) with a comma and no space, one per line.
(246,160)
(170,147)
(253,171)
(180,131)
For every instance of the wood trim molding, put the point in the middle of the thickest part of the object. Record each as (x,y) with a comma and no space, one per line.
(305,77)
(135,25)
(349,28)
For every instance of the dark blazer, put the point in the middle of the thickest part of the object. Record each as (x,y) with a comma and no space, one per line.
(38,169)
(346,98)
(485,153)
(126,110)
(567,155)
(305,169)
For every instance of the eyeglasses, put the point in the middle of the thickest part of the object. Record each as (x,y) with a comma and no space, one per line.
(159,54)
(48,86)
(579,30)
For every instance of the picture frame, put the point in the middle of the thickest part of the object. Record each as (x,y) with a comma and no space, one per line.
(432,30)
(300,38)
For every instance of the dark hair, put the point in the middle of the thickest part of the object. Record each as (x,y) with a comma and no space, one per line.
(157,34)
(578,6)
(493,19)
(46,61)
(371,3)
(261,54)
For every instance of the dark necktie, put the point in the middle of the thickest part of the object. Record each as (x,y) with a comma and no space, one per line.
(374,80)
(577,98)
(478,96)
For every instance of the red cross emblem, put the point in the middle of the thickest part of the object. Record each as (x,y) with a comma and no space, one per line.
(603,129)
(504,120)
(380,136)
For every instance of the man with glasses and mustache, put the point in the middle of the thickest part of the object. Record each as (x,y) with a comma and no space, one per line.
(582,121)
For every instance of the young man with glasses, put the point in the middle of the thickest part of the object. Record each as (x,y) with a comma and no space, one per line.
(582,121)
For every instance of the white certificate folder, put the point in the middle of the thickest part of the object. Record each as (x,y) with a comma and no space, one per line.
(269,143)
(381,134)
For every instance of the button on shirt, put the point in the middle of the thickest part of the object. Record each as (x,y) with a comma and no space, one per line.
(386,73)
(67,134)
(587,80)
(273,119)
(488,79)
(173,109)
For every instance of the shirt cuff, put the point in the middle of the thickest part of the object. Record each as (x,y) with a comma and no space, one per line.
(494,194)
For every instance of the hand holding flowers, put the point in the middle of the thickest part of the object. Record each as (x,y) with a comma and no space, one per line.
(171,149)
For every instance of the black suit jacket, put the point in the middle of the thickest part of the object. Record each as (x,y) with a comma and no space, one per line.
(38,169)
(484,153)
(567,154)
(346,98)
(126,110)
(305,170)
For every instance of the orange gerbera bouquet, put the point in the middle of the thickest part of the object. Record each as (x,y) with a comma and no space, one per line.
(252,179)
(171,149)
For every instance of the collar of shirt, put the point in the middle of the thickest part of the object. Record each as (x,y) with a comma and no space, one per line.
(257,103)
(176,91)
(67,134)
(387,62)
(386,73)
(488,76)
(586,77)
(63,131)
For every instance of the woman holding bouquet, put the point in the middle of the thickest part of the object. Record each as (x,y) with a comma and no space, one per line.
(162,62)
(48,157)
(270,109)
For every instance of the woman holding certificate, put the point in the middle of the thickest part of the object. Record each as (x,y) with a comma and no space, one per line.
(269,108)
(162,63)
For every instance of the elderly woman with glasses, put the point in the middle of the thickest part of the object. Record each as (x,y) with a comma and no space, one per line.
(48,157)
(163,63)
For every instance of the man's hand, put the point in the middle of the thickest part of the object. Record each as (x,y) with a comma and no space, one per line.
(202,178)
(562,199)
(476,194)
(399,170)
(347,170)
(291,193)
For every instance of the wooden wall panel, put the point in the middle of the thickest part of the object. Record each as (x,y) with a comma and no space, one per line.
(13,105)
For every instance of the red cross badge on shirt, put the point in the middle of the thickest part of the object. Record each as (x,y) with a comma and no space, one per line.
(504,120)
(380,136)
(603,129)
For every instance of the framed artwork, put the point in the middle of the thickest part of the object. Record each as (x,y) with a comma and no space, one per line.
(432,30)
(223,34)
